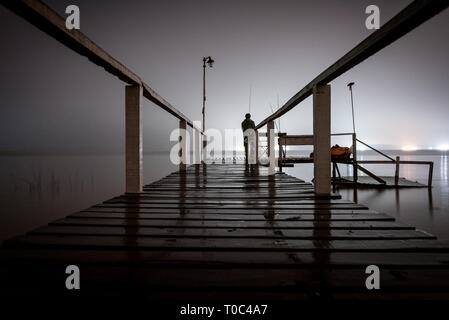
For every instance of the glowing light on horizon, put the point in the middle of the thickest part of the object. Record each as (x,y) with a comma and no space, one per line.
(443,147)
(409,148)
(362,148)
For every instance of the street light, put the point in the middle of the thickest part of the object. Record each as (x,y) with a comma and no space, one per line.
(210,63)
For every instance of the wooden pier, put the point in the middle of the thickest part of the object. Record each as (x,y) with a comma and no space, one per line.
(220,232)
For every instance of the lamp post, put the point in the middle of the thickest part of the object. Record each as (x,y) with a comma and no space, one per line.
(210,63)
(352,105)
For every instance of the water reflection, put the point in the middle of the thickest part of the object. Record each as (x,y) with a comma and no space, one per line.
(443,168)
(270,213)
(37,189)
(41,188)
(321,255)
(132,230)
(426,209)
(183,188)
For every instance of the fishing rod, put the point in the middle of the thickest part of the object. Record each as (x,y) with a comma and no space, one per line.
(249,103)
(279,119)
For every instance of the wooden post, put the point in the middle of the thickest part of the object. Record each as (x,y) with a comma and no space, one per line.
(334,171)
(256,132)
(396,172)
(271,156)
(355,173)
(204,152)
(197,146)
(133,132)
(321,139)
(280,156)
(182,145)
(429,182)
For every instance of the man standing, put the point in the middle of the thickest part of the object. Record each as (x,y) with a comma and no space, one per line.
(246,125)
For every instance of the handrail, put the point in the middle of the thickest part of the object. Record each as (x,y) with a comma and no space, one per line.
(49,21)
(342,134)
(406,20)
(399,161)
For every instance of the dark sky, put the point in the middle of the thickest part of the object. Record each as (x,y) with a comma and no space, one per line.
(55,100)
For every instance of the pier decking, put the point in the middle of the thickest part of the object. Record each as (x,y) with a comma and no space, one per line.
(219,232)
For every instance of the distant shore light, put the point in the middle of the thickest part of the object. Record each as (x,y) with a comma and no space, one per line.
(443,147)
(409,148)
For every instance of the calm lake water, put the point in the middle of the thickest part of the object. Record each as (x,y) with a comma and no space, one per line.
(35,190)
(426,209)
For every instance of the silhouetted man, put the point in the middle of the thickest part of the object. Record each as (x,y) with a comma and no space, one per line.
(247,124)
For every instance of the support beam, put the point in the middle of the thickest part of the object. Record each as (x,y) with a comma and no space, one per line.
(280,156)
(133,124)
(182,145)
(257,146)
(271,155)
(296,140)
(429,181)
(372,175)
(396,171)
(204,152)
(334,171)
(321,139)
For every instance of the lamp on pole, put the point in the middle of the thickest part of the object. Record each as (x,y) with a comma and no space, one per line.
(210,63)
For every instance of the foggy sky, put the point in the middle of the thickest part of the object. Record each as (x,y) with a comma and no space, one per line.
(53,99)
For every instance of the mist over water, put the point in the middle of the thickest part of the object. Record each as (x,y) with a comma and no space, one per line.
(38,189)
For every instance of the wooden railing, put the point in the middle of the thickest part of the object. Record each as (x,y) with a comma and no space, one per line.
(406,20)
(50,22)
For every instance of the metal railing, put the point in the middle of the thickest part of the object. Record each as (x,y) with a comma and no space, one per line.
(308,140)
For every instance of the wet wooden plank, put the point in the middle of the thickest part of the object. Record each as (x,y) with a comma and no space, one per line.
(270,212)
(227,195)
(251,224)
(263,284)
(277,279)
(229,234)
(267,206)
(230,259)
(229,217)
(247,202)
(366,181)
(206,244)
